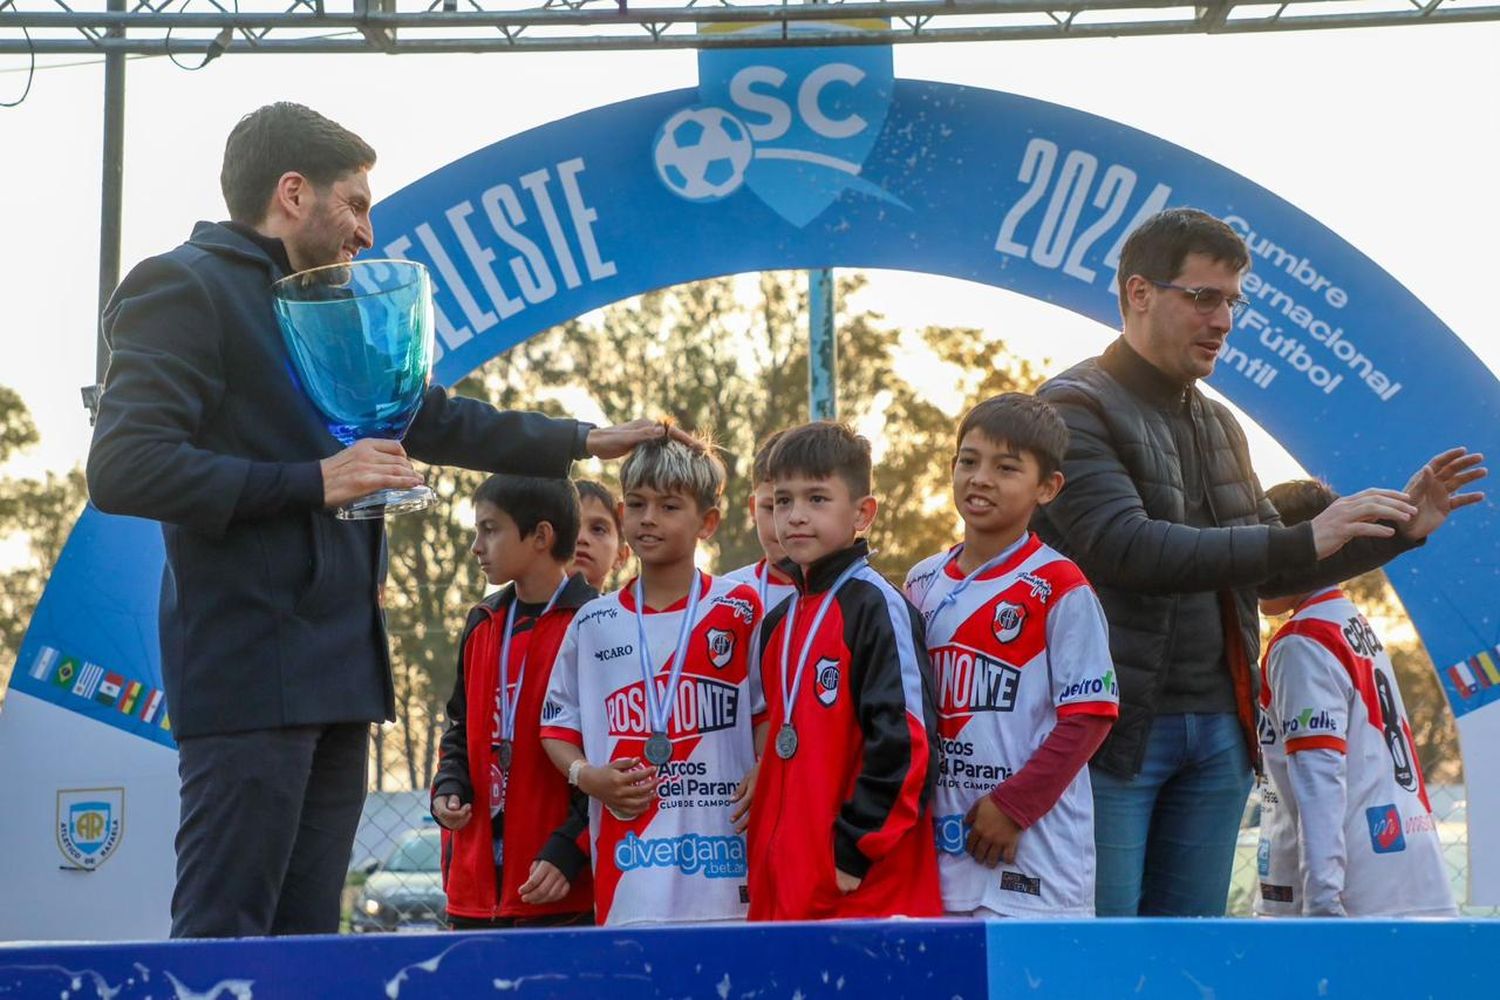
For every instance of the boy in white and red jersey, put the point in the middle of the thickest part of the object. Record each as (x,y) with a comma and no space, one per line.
(841,818)
(1346,828)
(514,850)
(770,582)
(1025,685)
(649,710)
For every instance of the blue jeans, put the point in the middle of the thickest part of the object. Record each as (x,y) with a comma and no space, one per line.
(1165,838)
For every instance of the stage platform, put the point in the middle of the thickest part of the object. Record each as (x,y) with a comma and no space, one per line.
(1196,959)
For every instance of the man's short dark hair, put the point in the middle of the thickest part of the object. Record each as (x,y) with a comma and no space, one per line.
(1299,500)
(762,467)
(590,489)
(1024,422)
(278,138)
(820,450)
(1158,246)
(530,500)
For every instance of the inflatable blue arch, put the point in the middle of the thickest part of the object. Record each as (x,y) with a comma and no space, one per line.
(820,157)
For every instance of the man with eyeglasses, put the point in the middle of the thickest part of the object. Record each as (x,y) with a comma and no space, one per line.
(1163,512)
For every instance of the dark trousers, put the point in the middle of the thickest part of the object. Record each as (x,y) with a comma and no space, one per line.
(268,822)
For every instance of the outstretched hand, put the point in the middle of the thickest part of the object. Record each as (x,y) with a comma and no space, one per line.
(613,442)
(1434,487)
(1360,515)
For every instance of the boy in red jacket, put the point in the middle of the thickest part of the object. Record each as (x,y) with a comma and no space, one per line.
(527,865)
(841,820)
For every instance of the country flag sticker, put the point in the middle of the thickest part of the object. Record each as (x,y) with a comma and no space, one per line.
(129,698)
(109,689)
(88,680)
(46,659)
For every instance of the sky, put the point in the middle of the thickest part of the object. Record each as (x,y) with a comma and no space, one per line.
(1385,135)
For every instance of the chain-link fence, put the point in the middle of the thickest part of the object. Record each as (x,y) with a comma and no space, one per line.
(1449,809)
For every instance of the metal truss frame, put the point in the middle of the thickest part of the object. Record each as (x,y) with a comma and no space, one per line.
(163,27)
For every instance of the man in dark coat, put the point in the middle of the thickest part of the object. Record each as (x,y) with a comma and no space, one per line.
(274,652)
(1164,514)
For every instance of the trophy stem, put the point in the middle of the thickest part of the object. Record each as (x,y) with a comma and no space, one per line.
(384,502)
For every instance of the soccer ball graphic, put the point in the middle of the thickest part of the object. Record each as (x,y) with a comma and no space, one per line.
(701,153)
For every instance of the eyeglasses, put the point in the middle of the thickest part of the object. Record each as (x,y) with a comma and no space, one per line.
(1207,300)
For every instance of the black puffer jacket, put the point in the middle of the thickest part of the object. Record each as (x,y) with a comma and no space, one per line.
(1119,516)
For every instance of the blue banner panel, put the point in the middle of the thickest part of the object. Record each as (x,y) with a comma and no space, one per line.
(92,644)
(814,158)
(847,960)
(1234,959)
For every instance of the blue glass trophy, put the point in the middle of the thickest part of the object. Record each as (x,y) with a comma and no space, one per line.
(360,337)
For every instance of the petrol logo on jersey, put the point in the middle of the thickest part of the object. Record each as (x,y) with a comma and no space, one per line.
(1386,836)
(969,682)
(1009,618)
(826,681)
(1090,689)
(720,647)
(703,705)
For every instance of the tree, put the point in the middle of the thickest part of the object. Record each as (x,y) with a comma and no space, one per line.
(41,511)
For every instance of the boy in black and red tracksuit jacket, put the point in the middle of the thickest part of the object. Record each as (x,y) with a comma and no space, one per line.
(840,820)
(527,864)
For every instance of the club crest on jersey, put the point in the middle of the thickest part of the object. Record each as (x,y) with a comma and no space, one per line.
(826,681)
(1009,618)
(720,647)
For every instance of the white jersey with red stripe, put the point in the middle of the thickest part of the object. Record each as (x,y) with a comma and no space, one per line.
(772,592)
(1328,685)
(1024,643)
(681,860)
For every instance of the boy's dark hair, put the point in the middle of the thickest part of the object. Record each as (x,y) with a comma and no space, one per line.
(278,138)
(1299,500)
(669,466)
(590,489)
(1024,422)
(761,470)
(822,449)
(530,500)
(1157,247)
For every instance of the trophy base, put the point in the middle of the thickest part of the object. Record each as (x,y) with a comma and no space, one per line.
(385,502)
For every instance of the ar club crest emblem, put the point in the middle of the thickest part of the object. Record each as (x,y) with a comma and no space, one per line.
(90,823)
(1008,620)
(826,681)
(720,647)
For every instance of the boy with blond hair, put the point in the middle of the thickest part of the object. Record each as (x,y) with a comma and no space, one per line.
(649,709)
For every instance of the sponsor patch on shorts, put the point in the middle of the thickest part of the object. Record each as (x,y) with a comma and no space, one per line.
(1016,882)
(1276,893)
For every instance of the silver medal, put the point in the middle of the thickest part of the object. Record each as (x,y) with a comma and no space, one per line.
(786,742)
(505,755)
(658,749)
